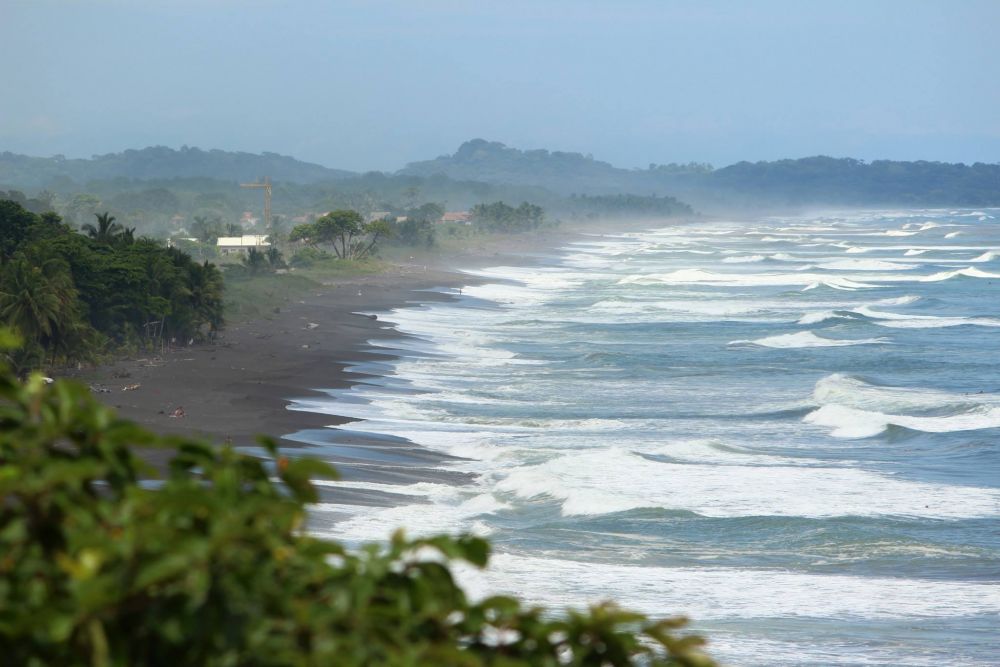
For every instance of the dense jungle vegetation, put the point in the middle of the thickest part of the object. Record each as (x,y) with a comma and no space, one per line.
(73,294)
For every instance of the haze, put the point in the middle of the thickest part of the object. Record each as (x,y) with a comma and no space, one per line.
(373,85)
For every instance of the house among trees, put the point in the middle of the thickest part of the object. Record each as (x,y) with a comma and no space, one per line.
(461,217)
(229,245)
(378,215)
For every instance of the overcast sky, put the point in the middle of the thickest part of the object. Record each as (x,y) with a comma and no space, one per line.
(375,84)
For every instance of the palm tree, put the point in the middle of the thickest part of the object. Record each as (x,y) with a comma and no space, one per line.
(255,261)
(274,258)
(127,236)
(106,231)
(39,301)
(206,294)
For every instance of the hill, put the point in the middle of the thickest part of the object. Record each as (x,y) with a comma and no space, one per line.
(493,162)
(811,181)
(159,163)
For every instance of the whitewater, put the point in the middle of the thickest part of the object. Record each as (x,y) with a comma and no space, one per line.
(787,429)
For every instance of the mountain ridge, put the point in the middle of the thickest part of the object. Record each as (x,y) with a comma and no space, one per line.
(816,180)
(161,163)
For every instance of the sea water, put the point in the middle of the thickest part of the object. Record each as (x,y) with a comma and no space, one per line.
(787,429)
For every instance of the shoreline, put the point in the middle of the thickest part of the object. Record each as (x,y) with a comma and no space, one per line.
(244,383)
(241,385)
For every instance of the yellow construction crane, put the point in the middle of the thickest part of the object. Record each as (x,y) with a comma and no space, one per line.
(266,185)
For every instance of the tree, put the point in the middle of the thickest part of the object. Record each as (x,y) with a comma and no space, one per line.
(206,294)
(69,294)
(418,229)
(106,231)
(15,222)
(499,217)
(274,258)
(211,566)
(255,261)
(206,230)
(38,299)
(344,230)
(82,206)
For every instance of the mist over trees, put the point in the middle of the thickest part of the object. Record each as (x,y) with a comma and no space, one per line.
(193,193)
(159,163)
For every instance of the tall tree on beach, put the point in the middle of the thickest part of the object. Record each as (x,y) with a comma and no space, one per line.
(344,230)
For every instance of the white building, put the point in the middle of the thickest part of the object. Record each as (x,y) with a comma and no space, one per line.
(228,245)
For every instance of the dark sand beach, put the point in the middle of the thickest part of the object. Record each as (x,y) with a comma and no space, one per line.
(240,386)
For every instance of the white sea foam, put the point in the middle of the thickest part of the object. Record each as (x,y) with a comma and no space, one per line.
(970,272)
(743,259)
(864,265)
(701,276)
(901,321)
(851,423)
(526,462)
(603,481)
(803,339)
(728,593)
(951,235)
(853,408)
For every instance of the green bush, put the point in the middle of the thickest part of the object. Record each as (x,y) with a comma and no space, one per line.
(210,565)
(309,255)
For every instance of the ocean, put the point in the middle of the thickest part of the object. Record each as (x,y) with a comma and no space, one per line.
(787,429)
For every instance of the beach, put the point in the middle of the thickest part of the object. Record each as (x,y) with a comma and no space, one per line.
(240,386)
(783,428)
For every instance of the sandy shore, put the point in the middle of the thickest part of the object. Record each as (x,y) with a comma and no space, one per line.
(239,386)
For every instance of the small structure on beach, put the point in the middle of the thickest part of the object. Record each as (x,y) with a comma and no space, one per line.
(229,245)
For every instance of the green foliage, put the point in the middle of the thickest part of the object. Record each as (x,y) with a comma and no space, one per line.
(627,206)
(38,300)
(67,294)
(419,227)
(16,225)
(106,231)
(345,231)
(309,255)
(262,261)
(210,566)
(499,217)
(255,261)
(207,230)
